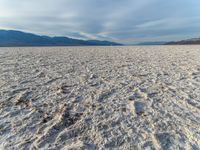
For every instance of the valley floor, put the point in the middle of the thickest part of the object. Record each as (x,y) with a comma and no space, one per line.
(100,97)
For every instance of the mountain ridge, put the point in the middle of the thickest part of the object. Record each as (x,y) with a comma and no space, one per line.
(19,38)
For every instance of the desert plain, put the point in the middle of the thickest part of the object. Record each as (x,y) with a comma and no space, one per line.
(126,97)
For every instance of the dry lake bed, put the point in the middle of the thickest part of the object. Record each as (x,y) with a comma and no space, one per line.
(100,98)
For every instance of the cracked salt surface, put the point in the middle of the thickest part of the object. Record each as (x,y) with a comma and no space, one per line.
(100,97)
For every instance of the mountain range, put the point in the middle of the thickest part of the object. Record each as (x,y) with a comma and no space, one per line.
(18,38)
(185,42)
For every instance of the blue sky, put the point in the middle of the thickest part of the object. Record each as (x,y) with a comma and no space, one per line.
(124,21)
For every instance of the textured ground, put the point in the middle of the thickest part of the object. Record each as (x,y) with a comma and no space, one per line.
(100,98)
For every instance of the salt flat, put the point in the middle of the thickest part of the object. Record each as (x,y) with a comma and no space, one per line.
(100,97)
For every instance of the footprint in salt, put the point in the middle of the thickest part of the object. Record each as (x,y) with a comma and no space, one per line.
(139,107)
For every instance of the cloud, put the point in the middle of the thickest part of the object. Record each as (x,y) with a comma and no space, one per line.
(127,21)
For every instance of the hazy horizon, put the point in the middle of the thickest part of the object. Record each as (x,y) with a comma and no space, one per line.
(126,22)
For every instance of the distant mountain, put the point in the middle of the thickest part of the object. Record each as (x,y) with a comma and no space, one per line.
(185,42)
(151,43)
(18,38)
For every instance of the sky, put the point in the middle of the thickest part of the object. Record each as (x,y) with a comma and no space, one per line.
(124,21)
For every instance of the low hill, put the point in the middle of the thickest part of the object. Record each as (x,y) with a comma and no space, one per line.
(152,43)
